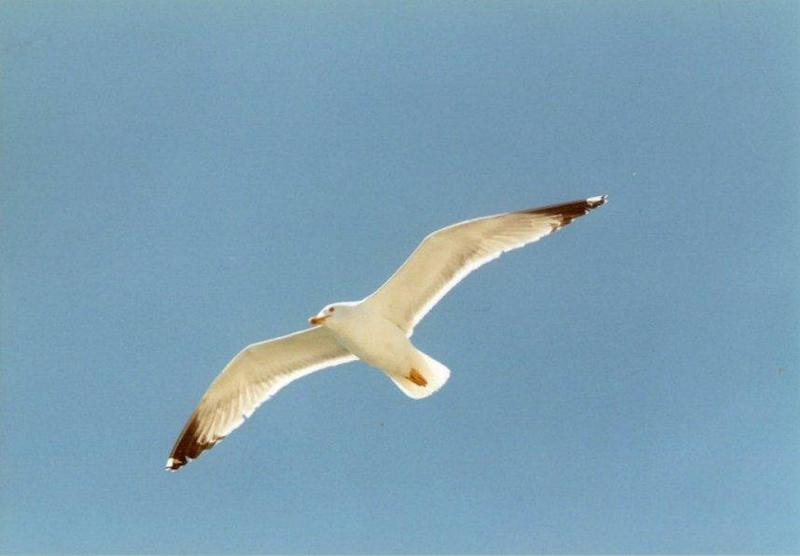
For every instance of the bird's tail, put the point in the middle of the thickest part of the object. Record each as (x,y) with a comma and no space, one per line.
(424,377)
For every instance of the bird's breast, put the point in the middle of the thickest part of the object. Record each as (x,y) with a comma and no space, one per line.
(374,340)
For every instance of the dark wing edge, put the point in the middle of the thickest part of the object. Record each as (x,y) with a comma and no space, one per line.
(405,300)
(568,211)
(253,376)
(189,446)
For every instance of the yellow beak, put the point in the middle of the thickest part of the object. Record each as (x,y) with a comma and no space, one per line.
(317,320)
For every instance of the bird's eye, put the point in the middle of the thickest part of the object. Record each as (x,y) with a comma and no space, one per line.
(332,309)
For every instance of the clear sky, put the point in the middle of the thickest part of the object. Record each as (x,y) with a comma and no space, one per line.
(180,179)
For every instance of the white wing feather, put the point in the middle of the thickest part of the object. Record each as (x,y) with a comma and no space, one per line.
(448,255)
(253,376)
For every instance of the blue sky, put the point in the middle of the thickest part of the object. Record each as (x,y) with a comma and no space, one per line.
(181,179)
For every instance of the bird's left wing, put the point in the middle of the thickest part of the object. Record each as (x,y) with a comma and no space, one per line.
(446,256)
(253,376)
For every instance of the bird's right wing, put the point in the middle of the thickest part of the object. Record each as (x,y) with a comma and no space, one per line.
(253,376)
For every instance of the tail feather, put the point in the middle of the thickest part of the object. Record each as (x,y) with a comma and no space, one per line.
(434,373)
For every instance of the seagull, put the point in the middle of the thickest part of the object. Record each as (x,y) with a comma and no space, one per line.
(376,330)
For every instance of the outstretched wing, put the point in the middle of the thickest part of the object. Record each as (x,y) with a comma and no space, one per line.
(446,256)
(253,376)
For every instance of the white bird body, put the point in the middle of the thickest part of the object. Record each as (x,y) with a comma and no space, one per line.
(370,336)
(379,342)
(375,330)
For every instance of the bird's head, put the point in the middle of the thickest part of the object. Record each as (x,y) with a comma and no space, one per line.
(331,313)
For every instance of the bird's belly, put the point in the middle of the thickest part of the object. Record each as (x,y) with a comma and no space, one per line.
(379,344)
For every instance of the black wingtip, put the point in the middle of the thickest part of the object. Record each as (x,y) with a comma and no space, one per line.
(567,212)
(189,445)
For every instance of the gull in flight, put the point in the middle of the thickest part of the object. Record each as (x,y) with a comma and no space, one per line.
(376,329)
